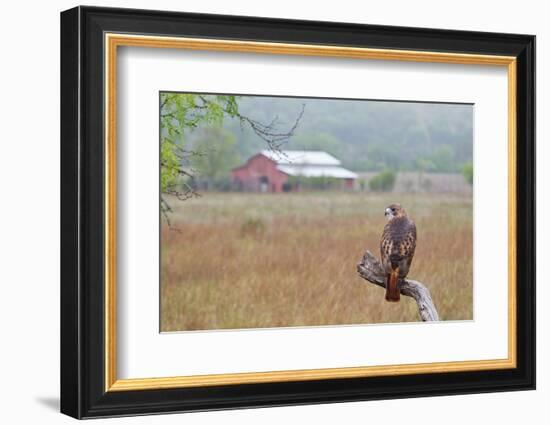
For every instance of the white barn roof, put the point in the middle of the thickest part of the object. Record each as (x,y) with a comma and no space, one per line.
(309,164)
(301,157)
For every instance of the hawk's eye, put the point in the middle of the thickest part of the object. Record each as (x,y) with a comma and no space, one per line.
(393,210)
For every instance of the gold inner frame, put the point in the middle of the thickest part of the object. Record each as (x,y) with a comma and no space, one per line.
(113,41)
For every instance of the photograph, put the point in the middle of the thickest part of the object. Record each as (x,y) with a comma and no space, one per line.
(280,212)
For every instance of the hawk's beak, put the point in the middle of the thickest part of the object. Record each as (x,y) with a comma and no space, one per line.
(387,212)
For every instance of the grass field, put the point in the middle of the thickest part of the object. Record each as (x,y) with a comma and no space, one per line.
(243,260)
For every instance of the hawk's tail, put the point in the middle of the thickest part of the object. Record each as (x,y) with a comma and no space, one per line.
(392,286)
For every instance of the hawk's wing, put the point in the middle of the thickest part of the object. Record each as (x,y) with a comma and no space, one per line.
(398,243)
(397,250)
(408,245)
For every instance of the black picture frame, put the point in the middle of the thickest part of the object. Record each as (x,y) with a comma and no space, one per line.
(83,392)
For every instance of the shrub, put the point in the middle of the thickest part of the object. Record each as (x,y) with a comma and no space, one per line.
(314,183)
(468,173)
(254,227)
(383,182)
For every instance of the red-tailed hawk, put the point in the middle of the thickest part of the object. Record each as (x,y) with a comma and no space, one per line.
(397,248)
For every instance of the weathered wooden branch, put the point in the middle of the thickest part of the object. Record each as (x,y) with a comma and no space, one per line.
(371,270)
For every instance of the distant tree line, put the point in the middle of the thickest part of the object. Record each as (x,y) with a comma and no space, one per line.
(370,136)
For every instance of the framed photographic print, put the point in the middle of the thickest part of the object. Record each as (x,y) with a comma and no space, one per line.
(261,212)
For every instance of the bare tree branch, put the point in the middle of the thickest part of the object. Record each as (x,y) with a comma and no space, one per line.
(165,209)
(269,133)
(371,270)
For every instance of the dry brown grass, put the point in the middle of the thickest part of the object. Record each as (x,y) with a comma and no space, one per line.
(278,260)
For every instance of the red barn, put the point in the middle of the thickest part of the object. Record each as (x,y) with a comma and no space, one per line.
(269,171)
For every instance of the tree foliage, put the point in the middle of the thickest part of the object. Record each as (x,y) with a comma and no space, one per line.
(383,181)
(216,157)
(314,183)
(317,141)
(181,113)
(468,173)
(443,159)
